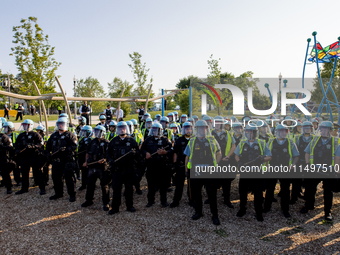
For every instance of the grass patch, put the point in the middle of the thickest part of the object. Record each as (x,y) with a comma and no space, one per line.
(220,232)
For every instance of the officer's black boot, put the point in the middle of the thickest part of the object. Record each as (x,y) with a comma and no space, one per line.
(241,212)
(215,220)
(87,203)
(196,216)
(54,197)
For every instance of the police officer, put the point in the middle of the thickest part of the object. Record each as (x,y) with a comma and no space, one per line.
(71,127)
(285,153)
(184,118)
(157,118)
(61,148)
(203,150)
(251,152)
(176,119)
(156,149)
(5,151)
(26,149)
(108,113)
(146,130)
(195,118)
(85,137)
(144,118)
(167,132)
(41,130)
(8,129)
(136,127)
(264,131)
(85,110)
(320,151)
(175,132)
(112,130)
(140,166)
(95,161)
(227,144)
(301,141)
(103,123)
(179,163)
(81,124)
(122,151)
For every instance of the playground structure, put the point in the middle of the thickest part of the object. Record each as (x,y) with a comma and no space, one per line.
(53,96)
(320,55)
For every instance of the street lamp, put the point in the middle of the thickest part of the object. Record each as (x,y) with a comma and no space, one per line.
(280,78)
(75,103)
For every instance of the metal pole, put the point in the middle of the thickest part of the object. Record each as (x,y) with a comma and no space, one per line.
(9,90)
(280,78)
(75,102)
(65,99)
(190,101)
(162,102)
(43,107)
(147,99)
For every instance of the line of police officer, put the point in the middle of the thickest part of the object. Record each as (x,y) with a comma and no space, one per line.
(169,147)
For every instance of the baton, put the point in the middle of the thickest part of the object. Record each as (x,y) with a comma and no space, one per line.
(132,150)
(57,151)
(20,152)
(252,161)
(95,162)
(157,152)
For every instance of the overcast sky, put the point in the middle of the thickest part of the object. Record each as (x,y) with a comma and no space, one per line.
(175,38)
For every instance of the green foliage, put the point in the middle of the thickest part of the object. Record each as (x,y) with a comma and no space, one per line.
(34,58)
(91,87)
(115,89)
(140,75)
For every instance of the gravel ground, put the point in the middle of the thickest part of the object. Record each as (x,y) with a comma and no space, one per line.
(32,224)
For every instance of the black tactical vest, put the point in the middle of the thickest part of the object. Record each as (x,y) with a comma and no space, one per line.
(280,154)
(202,153)
(323,152)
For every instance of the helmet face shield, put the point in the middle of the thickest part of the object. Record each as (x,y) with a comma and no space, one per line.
(325,131)
(218,125)
(164,124)
(187,130)
(26,127)
(174,130)
(83,133)
(155,131)
(250,134)
(62,126)
(170,117)
(264,130)
(148,124)
(281,133)
(158,118)
(184,119)
(98,133)
(202,131)
(307,129)
(123,130)
(238,130)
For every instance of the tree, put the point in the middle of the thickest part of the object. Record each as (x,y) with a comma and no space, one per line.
(115,89)
(140,75)
(34,57)
(91,87)
(214,77)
